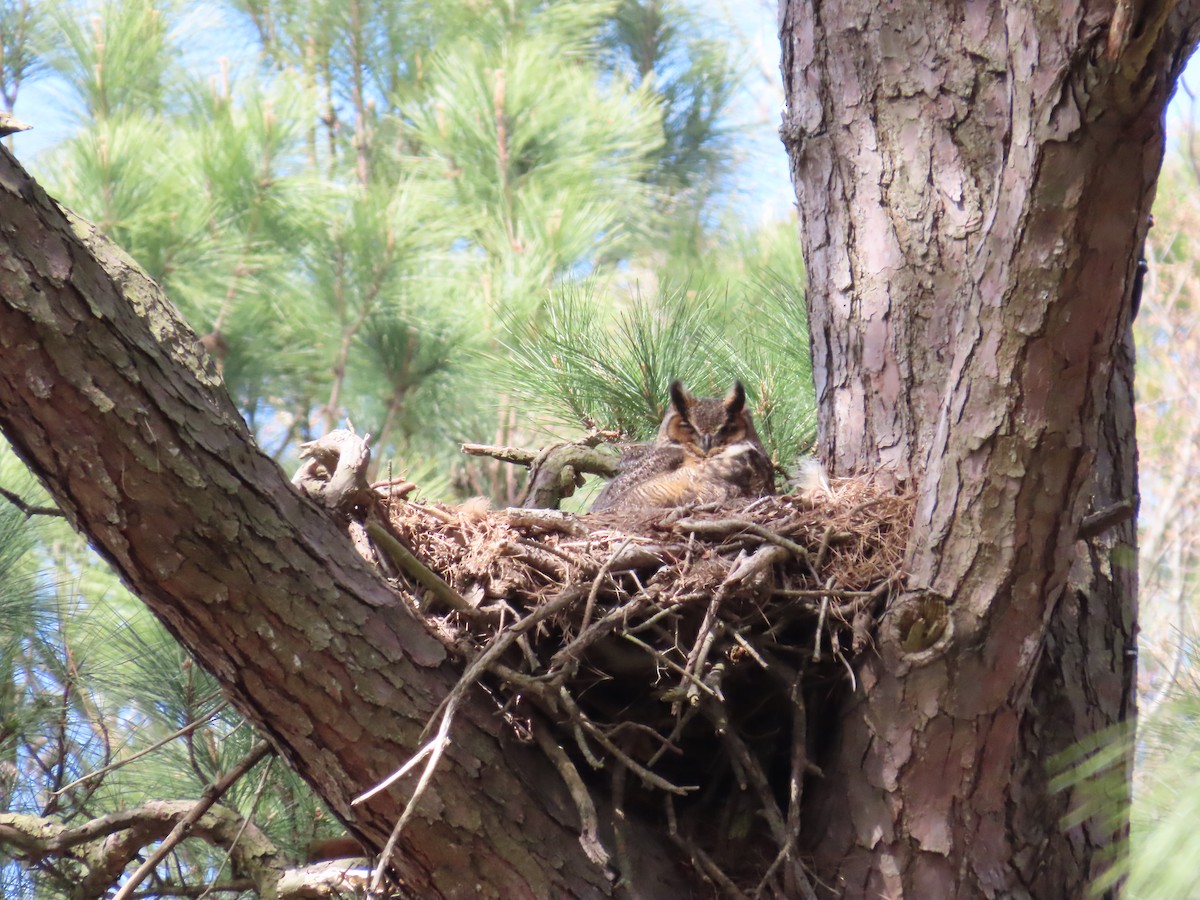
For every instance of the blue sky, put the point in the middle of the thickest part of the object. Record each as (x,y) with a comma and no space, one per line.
(762,188)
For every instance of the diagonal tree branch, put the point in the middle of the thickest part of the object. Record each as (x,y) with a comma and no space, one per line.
(211,795)
(109,399)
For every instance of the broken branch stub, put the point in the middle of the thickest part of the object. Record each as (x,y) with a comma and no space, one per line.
(334,472)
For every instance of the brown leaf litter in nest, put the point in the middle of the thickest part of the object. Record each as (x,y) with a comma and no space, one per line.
(677,646)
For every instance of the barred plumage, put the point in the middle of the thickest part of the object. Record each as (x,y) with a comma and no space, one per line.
(706,451)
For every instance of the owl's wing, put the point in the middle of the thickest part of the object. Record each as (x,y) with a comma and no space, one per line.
(639,463)
(740,471)
(687,484)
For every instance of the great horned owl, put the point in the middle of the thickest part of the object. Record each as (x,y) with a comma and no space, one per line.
(707,450)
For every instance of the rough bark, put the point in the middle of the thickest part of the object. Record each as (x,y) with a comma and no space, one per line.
(974,182)
(106,395)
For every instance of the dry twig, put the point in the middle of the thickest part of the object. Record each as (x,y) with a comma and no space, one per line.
(211,795)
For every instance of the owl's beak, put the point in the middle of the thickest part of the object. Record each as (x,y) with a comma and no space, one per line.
(706,443)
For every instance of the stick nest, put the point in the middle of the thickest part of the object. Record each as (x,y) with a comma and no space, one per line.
(676,653)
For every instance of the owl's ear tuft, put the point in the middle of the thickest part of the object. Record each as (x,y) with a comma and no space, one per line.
(680,398)
(735,400)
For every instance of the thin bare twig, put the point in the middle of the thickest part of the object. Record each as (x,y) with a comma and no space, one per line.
(502,642)
(816,656)
(599,579)
(439,746)
(258,795)
(740,526)
(602,739)
(700,649)
(425,750)
(662,658)
(28,509)
(211,795)
(702,860)
(186,729)
(598,630)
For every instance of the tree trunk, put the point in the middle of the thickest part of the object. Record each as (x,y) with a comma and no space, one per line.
(974,183)
(107,396)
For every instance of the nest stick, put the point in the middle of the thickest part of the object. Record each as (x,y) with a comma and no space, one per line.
(799,756)
(546,520)
(502,642)
(661,614)
(741,526)
(698,646)
(761,560)
(799,885)
(589,824)
(648,777)
(397,775)
(739,752)
(836,646)
(671,739)
(599,579)
(705,638)
(702,860)
(670,664)
(710,638)
(799,765)
(584,747)
(552,565)
(426,577)
(823,550)
(596,631)
(816,656)
(647,730)
(620,827)
(539,688)
(713,871)
(568,558)
(818,593)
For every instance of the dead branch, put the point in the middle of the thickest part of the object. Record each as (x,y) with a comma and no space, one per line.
(514,455)
(437,747)
(211,795)
(335,470)
(559,469)
(106,845)
(28,509)
(121,763)
(589,822)
(418,571)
